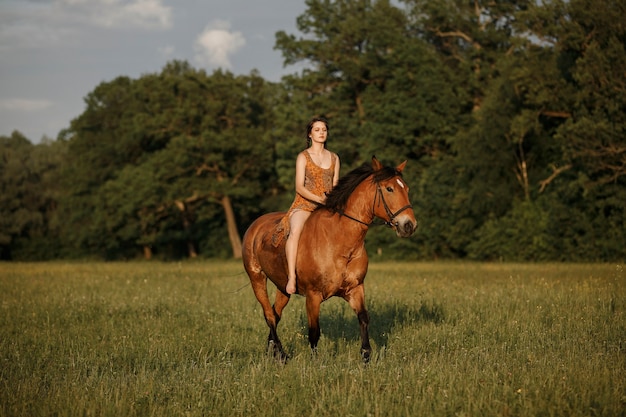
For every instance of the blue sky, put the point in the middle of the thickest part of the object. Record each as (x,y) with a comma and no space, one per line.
(54,52)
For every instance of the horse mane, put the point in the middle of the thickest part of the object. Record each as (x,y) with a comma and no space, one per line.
(336,200)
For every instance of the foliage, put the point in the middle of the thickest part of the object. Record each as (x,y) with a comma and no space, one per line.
(29,194)
(192,140)
(511,116)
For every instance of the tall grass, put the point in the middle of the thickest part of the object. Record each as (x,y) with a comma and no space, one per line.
(457,339)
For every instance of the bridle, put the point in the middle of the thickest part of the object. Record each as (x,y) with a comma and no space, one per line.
(379,197)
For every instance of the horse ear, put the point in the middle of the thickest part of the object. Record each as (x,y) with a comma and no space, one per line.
(376,164)
(400,167)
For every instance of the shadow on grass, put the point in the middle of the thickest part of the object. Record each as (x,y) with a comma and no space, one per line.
(341,322)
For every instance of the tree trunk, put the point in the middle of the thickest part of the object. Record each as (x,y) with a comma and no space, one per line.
(191,248)
(233,234)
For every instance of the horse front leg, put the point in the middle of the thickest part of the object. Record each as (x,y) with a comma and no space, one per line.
(313,302)
(356,299)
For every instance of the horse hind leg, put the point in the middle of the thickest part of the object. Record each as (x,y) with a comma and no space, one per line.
(272,316)
(280,302)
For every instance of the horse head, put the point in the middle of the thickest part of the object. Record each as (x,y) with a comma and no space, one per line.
(391,203)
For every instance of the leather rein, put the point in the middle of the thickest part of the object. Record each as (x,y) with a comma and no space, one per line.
(379,194)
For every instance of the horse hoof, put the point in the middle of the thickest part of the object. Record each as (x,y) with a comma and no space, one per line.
(282,357)
(277,351)
(366,355)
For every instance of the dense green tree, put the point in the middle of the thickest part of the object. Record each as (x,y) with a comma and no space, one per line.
(16,194)
(553,117)
(28,197)
(471,36)
(511,114)
(589,178)
(502,157)
(589,41)
(100,143)
(475,179)
(181,139)
(352,50)
(383,88)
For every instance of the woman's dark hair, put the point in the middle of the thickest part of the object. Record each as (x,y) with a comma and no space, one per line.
(309,127)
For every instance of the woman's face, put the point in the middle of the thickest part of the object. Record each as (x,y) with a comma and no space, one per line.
(319,133)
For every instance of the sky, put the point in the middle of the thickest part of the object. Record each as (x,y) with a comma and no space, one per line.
(55,52)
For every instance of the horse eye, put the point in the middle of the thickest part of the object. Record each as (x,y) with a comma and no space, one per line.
(389,189)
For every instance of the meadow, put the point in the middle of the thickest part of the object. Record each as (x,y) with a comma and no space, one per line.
(189,339)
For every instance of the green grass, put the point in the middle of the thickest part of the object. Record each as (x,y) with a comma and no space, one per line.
(188,339)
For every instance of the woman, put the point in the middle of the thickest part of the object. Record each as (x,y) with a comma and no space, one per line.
(317,172)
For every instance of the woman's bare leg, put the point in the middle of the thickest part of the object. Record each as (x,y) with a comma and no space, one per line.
(296,222)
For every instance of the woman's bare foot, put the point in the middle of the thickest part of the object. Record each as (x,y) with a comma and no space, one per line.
(291,286)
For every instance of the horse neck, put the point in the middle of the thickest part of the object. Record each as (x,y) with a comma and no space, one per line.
(360,204)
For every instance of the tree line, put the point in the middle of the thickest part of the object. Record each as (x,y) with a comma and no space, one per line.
(512,116)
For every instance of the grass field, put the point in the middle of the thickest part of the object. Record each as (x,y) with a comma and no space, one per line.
(188,339)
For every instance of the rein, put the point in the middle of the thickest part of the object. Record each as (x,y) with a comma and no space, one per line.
(354,218)
(379,194)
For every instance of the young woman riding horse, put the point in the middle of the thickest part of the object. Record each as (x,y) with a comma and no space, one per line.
(331,260)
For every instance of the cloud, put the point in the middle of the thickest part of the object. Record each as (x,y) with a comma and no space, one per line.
(216,43)
(148,14)
(33,23)
(24,105)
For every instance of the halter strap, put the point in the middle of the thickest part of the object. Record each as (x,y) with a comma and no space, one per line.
(389,213)
(379,192)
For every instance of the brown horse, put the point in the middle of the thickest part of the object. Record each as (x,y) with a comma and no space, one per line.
(332,260)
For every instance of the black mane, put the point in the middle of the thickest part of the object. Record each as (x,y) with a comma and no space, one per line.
(338,197)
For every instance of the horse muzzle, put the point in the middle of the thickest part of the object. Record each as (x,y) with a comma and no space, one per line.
(405,226)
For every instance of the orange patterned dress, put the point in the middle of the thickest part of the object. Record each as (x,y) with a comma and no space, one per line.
(318,180)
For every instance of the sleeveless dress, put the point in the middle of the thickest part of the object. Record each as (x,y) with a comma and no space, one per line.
(318,180)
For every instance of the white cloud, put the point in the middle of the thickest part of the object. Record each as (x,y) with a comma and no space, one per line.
(24,105)
(149,14)
(216,44)
(44,23)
